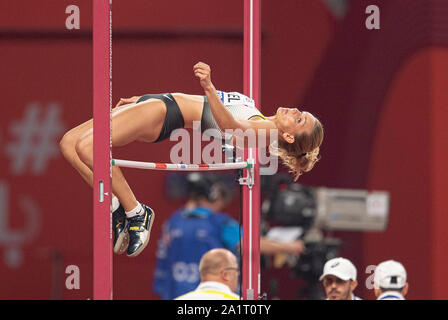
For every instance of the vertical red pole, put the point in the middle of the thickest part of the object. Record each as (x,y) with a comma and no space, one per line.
(252,49)
(251,195)
(251,229)
(102,176)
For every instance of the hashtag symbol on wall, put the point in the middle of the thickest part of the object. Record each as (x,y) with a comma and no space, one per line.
(36,138)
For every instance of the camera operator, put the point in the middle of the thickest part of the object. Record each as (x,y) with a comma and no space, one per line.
(189,232)
(196,228)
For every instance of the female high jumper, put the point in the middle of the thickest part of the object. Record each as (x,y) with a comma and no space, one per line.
(152,118)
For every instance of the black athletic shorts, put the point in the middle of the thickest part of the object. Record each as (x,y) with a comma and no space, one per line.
(173,119)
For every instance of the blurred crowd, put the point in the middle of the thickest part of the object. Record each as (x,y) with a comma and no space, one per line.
(199,251)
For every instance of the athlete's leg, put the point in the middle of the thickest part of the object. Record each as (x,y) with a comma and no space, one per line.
(68,144)
(140,122)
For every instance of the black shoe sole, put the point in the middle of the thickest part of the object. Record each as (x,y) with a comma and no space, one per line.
(139,250)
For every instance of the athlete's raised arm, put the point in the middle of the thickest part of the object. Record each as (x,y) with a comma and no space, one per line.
(223,117)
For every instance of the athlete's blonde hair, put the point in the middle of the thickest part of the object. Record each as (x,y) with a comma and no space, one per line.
(301,155)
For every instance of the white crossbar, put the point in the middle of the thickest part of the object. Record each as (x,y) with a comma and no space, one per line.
(181,166)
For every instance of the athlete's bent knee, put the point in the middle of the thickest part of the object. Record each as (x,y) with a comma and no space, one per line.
(67,145)
(84,149)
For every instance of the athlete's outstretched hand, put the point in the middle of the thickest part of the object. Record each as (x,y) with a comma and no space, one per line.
(127,100)
(203,71)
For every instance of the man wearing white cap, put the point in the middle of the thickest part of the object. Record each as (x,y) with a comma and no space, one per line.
(339,279)
(390,281)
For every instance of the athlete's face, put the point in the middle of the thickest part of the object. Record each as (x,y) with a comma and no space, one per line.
(295,122)
(338,289)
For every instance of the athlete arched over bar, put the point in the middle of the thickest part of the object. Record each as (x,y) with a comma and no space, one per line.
(152,118)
